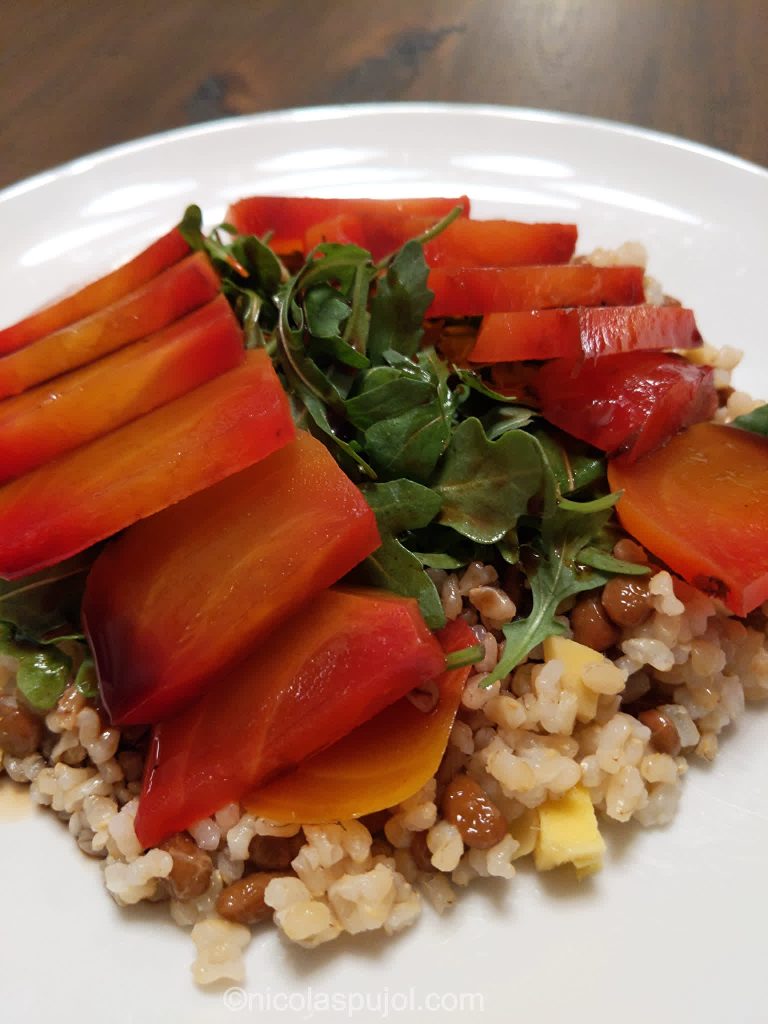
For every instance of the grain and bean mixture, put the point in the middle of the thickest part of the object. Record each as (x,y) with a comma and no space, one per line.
(672,669)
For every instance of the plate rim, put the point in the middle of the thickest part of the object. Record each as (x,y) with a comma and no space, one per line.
(341,974)
(338,111)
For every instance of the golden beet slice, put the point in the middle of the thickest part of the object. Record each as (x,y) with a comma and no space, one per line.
(699,504)
(89,494)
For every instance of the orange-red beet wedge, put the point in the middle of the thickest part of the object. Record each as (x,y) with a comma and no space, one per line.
(464,243)
(699,504)
(314,679)
(289,218)
(142,268)
(499,243)
(182,595)
(475,291)
(382,762)
(591,332)
(49,420)
(86,495)
(178,290)
(625,404)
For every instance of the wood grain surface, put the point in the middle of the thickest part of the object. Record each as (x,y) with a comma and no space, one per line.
(78,75)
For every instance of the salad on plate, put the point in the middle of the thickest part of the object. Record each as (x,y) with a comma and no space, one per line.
(355,549)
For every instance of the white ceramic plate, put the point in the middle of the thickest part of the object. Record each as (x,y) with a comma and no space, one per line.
(673,928)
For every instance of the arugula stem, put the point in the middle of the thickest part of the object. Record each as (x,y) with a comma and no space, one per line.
(466,656)
(46,582)
(425,236)
(355,332)
(586,507)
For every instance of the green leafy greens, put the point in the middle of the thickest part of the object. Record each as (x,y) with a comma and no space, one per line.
(398,307)
(43,670)
(486,485)
(250,272)
(401,506)
(556,572)
(454,469)
(402,413)
(38,614)
(755,421)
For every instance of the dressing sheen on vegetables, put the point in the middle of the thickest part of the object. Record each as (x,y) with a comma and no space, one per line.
(159,302)
(87,495)
(286,220)
(108,289)
(377,765)
(627,404)
(53,418)
(245,458)
(699,504)
(474,291)
(316,678)
(573,333)
(181,596)
(464,243)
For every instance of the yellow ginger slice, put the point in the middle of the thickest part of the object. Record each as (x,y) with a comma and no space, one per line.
(579,662)
(568,834)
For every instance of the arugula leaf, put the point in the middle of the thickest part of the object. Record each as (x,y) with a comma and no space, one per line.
(558,573)
(315,393)
(603,560)
(326,311)
(554,580)
(403,413)
(476,383)
(573,465)
(250,272)
(264,270)
(402,505)
(358,324)
(248,307)
(335,262)
(191,230)
(338,349)
(755,421)
(486,485)
(398,307)
(42,677)
(438,560)
(509,549)
(437,370)
(43,672)
(300,370)
(399,506)
(395,569)
(503,418)
(85,678)
(308,409)
(247,256)
(440,547)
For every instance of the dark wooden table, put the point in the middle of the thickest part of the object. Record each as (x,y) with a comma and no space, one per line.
(82,74)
